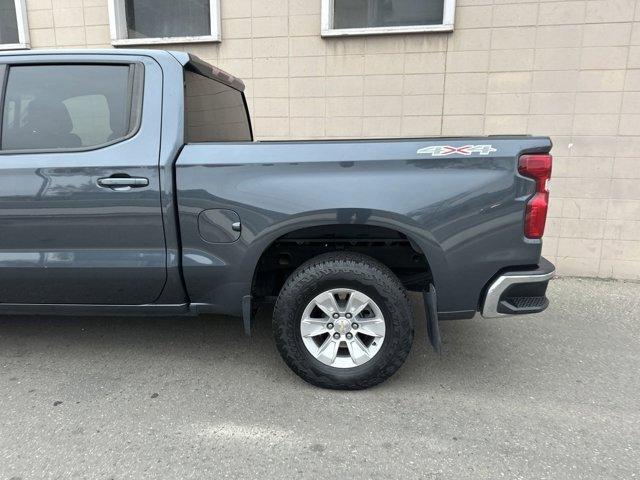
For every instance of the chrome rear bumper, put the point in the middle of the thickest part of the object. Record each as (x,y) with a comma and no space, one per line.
(519,292)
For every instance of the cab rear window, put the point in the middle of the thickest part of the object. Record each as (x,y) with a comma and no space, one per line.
(214,112)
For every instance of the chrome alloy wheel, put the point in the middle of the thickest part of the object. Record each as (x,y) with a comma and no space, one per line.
(342,328)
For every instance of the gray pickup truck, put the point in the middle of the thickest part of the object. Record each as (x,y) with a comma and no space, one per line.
(130,184)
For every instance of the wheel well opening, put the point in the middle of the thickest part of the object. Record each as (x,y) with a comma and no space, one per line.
(390,247)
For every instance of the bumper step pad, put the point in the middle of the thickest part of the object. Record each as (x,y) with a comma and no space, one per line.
(519,305)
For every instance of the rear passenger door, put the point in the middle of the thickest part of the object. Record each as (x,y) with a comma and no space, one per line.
(80,211)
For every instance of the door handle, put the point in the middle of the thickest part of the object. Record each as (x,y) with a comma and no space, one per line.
(123,182)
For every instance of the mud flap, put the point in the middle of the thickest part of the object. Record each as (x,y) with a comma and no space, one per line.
(246,314)
(431,311)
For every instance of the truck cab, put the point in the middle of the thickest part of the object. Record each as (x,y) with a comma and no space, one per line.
(88,145)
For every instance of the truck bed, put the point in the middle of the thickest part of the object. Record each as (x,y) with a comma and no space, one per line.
(462,207)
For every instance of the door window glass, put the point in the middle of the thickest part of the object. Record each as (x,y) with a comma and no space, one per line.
(52,107)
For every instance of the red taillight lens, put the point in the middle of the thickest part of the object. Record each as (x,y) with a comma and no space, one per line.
(536,215)
(537,167)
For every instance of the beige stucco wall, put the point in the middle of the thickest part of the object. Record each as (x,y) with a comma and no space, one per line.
(568,69)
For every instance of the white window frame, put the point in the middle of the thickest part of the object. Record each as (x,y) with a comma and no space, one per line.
(119,36)
(23,28)
(327,29)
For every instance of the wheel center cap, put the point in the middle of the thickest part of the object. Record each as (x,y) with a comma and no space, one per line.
(342,326)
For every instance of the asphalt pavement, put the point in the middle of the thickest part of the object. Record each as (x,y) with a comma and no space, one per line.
(549,396)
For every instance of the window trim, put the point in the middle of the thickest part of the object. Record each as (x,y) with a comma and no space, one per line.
(4,72)
(23,28)
(135,97)
(119,36)
(327,30)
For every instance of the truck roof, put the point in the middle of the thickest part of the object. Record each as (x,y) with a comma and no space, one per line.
(187,60)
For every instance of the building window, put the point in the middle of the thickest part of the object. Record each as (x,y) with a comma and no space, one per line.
(366,17)
(138,22)
(14,32)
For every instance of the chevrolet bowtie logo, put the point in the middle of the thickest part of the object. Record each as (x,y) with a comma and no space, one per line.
(442,150)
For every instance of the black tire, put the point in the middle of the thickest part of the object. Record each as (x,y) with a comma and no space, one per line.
(343,270)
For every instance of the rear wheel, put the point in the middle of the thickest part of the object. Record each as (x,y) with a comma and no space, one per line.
(343,321)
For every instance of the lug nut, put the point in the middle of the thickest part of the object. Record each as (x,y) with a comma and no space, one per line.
(349,336)
(329,326)
(336,315)
(336,335)
(354,326)
(348,315)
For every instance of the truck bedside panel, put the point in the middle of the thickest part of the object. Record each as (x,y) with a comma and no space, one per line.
(464,210)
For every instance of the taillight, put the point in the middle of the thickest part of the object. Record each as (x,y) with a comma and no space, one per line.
(537,167)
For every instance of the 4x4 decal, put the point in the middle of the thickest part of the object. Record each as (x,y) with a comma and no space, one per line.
(442,150)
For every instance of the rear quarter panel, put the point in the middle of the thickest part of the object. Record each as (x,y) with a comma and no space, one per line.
(464,212)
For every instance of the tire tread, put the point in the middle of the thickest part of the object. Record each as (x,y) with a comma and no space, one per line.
(369,272)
